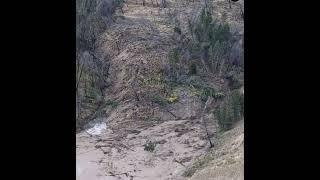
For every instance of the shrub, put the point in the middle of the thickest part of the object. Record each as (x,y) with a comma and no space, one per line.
(234,81)
(218,95)
(212,41)
(198,164)
(177,30)
(230,111)
(158,100)
(192,69)
(195,81)
(149,146)
(172,98)
(206,92)
(113,104)
(174,56)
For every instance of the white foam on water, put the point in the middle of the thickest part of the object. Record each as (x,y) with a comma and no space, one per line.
(97,129)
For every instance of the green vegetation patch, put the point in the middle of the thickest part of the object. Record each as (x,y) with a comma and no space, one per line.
(150,146)
(230,111)
(200,163)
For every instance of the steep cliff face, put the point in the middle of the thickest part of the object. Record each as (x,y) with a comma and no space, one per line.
(142,106)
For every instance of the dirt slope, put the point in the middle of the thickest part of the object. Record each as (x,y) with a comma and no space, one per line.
(228,158)
(138,45)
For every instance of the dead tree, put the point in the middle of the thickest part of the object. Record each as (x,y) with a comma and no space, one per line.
(209,100)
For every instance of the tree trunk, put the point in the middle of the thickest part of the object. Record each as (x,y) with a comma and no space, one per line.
(79,77)
(205,58)
(242,14)
(209,100)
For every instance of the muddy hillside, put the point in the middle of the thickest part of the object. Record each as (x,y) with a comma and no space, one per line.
(159,89)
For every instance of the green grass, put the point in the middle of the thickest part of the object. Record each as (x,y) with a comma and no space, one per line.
(158,100)
(111,103)
(171,99)
(198,164)
(230,111)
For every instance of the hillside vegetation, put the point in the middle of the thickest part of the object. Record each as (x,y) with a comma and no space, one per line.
(166,76)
